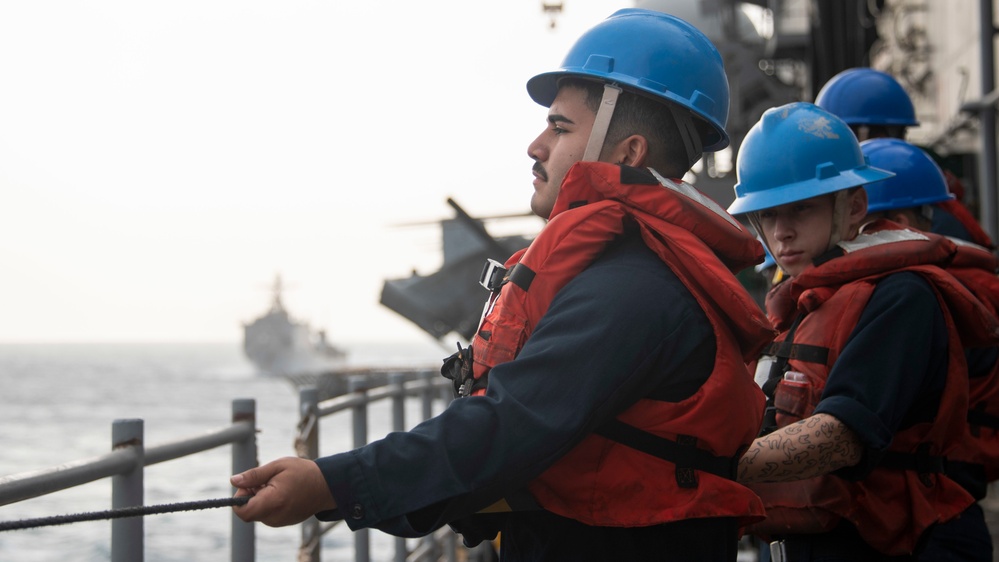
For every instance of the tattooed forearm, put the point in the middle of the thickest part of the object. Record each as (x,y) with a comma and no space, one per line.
(811,447)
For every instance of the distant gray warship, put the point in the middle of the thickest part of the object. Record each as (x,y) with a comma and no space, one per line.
(278,345)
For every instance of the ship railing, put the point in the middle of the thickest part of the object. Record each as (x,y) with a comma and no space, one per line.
(426,385)
(125,464)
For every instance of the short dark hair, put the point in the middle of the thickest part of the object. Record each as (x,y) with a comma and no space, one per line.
(640,115)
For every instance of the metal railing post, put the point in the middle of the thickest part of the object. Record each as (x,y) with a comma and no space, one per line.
(446,395)
(428,395)
(398,383)
(244,457)
(308,447)
(127,491)
(359,414)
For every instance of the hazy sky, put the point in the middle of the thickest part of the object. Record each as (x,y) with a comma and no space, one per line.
(161,162)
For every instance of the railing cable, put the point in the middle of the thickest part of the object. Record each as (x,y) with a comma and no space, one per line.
(134,511)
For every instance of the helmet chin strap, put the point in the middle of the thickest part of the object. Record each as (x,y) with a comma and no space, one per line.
(601,123)
(754,221)
(839,211)
(598,134)
(688,133)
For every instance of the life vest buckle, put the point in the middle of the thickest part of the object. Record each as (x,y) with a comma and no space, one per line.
(493,275)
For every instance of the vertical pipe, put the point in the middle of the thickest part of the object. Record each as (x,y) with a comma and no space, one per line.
(358,384)
(308,408)
(244,457)
(127,491)
(446,395)
(987,118)
(398,384)
(427,399)
(428,395)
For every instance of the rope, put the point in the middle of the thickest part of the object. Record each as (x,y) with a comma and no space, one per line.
(135,511)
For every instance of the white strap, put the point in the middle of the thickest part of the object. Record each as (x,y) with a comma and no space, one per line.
(600,124)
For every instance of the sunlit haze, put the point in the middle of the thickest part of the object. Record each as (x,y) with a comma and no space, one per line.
(161,162)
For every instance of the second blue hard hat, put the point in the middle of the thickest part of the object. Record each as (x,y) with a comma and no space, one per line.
(795,152)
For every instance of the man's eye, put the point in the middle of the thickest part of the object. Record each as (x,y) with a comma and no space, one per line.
(558,130)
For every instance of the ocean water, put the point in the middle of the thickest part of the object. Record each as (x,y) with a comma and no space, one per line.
(58,402)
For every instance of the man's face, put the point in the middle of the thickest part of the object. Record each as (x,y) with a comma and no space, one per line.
(559,146)
(798,232)
(868,132)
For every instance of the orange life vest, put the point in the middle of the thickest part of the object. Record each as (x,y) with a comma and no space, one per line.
(602,481)
(902,497)
(975,267)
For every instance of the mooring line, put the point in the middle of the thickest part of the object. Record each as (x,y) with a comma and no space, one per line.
(135,511)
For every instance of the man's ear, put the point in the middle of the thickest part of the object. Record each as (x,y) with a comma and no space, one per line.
(856,207)
(631,151)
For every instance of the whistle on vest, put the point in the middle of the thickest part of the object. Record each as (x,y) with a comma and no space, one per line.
(458,369)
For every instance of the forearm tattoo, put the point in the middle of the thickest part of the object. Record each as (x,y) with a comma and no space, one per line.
(811,447)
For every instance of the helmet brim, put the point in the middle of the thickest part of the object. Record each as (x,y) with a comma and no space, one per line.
(799,191)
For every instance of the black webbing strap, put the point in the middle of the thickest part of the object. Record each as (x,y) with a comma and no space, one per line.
(683,452)
(521,276)
(920,461)
(777,370)
(798,351)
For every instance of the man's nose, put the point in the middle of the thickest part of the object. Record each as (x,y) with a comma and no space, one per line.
(537,149)
(782,227)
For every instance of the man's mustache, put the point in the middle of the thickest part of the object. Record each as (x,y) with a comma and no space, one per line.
(540,170)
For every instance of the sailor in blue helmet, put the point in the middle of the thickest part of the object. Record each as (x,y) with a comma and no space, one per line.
(866,383)
(908,199)
(909,196)
(605,398)
(871,102)
(875,105)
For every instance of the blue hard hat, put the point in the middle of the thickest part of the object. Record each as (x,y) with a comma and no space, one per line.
(864,96)
(795,152)
(653,53)
(918,180)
